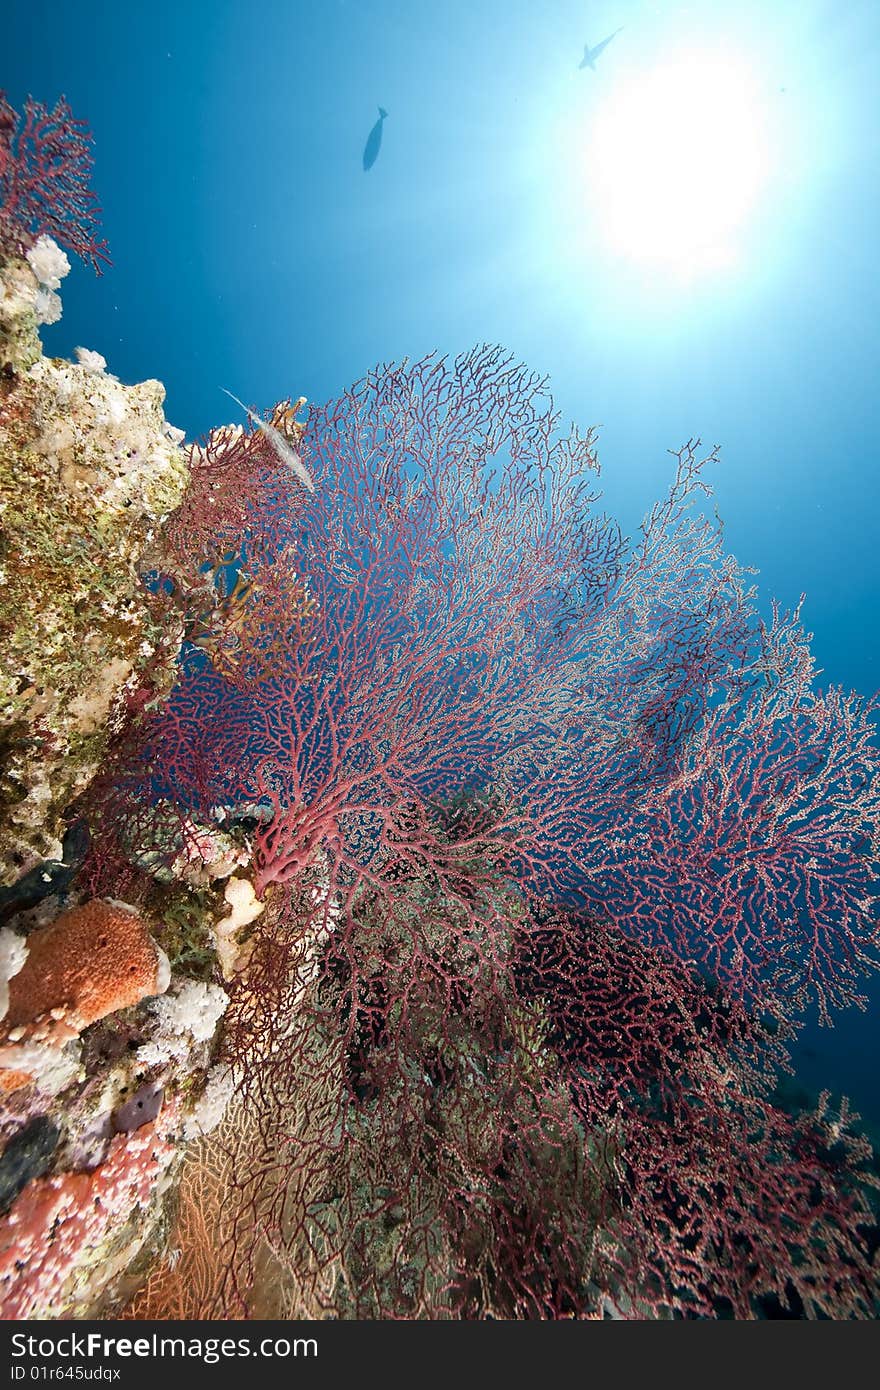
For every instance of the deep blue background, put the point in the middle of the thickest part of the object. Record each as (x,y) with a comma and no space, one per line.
(251,251)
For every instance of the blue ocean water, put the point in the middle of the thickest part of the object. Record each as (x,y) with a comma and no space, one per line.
(252,250)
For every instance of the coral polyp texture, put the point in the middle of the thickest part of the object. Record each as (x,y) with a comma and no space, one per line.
(412,885)
(97,1086)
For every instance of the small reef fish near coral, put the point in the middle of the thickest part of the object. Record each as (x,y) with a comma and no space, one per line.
(282,448)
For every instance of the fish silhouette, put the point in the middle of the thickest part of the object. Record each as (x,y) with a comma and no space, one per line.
(374,141)
(591,54)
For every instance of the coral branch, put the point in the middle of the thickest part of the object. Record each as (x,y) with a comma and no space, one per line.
(45,167)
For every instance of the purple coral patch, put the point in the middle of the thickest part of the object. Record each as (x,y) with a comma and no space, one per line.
(140,1108)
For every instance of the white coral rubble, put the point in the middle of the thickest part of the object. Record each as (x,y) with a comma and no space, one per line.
(185,1017)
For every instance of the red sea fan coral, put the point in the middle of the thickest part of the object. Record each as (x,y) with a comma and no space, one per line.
(238,488)
(452,1115)
(459,615)
(714,1198)
(465,697)
(45,166)
(758,856)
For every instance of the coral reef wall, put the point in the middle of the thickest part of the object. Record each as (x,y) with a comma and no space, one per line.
(409,885)
(90,471)
(103,1051)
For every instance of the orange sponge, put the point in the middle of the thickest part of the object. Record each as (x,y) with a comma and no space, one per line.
(89,962)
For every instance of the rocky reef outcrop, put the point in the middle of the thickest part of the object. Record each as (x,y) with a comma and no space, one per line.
(109,1013)
(89,468)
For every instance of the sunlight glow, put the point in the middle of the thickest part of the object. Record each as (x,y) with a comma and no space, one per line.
(676,158)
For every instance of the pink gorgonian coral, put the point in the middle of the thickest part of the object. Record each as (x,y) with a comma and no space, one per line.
(45,167)
(466,718)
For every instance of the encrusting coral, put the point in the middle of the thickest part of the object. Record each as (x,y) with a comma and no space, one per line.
(62,1227)
(244,908)
(13,953)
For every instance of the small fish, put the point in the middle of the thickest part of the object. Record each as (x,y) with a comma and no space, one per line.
(279,444)
(374,141)
(591,54)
